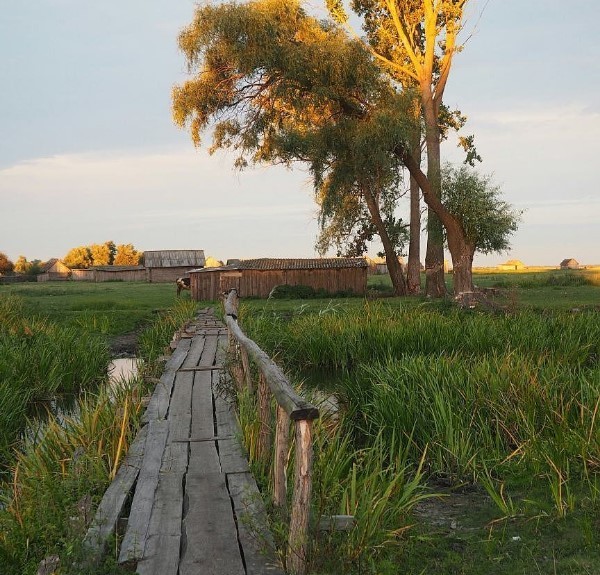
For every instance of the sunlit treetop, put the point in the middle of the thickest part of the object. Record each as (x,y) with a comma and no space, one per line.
(266,75)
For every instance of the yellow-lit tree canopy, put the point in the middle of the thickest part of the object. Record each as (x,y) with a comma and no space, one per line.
(280,86)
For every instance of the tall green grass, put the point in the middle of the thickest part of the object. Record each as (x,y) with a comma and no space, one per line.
(515,395)
(59,474)
(58,478)
(40,360)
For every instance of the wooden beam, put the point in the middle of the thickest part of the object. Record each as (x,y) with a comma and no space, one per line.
(296,407)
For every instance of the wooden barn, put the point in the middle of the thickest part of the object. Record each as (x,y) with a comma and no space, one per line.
(168,265)
(110,274)
(54,270)
(569,264)
(257,277)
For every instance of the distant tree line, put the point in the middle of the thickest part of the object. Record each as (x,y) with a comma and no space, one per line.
(106,254)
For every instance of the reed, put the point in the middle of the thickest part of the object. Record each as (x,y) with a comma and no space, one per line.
(39,361)
(59,475)
(514,393)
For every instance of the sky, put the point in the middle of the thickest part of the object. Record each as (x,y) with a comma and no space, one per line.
(89,152)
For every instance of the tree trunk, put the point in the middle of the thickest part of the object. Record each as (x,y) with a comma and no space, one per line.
(414,246)
(391,258)
(462,253)
(435,285)
(461,249)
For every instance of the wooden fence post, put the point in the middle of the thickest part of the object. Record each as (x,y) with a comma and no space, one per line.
(298,539)
(282,441)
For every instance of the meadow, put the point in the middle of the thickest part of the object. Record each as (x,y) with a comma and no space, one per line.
(465,441)
(63,430)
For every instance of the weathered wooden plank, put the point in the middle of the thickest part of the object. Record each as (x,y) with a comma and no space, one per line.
(211,546)
(209,351)
(108,513)
(159,402)
(134,540)
(253,532)
(202,368)
(114,499)
(180,409)
(161,554)
(203,425)
(204,458)
(195,351)
(232,456)
(226,419)
(222,347)
(181,400)
(175,457)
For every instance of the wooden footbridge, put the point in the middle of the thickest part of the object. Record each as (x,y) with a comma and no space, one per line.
(193,505)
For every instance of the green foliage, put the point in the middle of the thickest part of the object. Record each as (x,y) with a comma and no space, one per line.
(38,361)
(286,291)
(488,221)
(284,87)
(505,404)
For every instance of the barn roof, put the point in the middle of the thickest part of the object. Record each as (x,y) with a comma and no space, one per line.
(270,264)
(51,263)
(48,265)
(174,258)
(569,261)
(117,268)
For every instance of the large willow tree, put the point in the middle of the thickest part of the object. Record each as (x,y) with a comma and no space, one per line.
(278,85)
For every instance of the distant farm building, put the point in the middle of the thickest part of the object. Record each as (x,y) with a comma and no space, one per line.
(110,274)
(257,277)
(168,265)
(569,264)
(54,270)
(512,265)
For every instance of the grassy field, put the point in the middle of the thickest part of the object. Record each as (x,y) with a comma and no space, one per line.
(55,340)
(467,441)
(111,308)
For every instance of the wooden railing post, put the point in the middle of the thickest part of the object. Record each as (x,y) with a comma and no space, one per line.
(282,440)
(298,538)
(290,406)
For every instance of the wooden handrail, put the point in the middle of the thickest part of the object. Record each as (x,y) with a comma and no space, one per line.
(292,407)
(295,406)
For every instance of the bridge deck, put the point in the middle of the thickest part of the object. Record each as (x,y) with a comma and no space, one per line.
(195,506)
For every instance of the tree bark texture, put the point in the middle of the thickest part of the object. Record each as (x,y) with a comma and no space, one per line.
(391,258)
(414,246)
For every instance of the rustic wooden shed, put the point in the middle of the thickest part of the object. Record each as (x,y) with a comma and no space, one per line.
(257,277)
(168,265)
(110,273)
(54,270)
(569,264)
